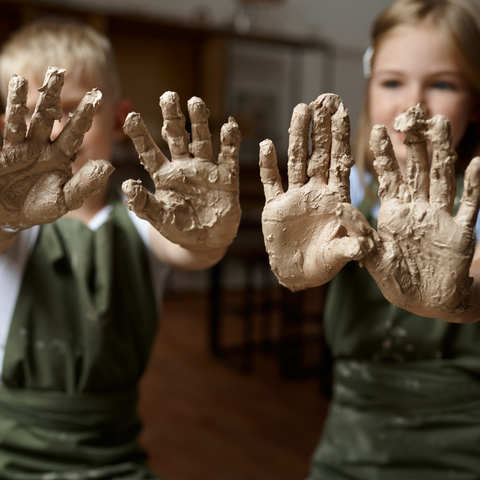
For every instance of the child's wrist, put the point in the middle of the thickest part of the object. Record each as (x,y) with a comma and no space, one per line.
(7,234)
(7,237)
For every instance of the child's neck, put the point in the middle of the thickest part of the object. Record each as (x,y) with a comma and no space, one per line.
(91,206)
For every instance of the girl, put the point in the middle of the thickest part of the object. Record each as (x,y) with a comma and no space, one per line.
(406,401)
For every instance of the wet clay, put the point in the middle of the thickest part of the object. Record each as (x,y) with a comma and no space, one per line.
(36,181)
(306,243)
(424,254)
(420,256)
(196,201)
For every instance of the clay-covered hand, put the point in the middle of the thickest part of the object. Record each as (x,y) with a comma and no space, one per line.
(423,254)
(305,241)
(196,202)
(36,181)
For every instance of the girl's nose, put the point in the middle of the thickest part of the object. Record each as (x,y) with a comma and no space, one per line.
(415,95)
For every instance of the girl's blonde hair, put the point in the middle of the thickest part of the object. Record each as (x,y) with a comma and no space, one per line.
(77,47)
(459,20)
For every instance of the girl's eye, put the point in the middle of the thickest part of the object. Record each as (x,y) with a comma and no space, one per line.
(441,85)
(391,84)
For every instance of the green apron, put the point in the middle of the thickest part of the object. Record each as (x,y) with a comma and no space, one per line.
(406,396)
(80,338)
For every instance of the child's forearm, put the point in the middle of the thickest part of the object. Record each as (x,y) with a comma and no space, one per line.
(201,259)
(186,259)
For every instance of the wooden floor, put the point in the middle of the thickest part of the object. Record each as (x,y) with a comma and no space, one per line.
(206,421)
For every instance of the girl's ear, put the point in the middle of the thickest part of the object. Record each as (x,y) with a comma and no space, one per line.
(122,109)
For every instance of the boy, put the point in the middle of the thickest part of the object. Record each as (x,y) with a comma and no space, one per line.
(80,296)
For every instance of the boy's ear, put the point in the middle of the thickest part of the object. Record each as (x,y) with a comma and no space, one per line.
(122,109)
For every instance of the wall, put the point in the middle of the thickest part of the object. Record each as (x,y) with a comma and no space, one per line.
(344,24)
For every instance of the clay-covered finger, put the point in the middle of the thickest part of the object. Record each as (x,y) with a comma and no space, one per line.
(230,137)
(150,155)
(346,249)
(47,109)
(16,109)
(272,182)
(353,220)
(413,125)
(323,109)
(201,144)
(389,175)
(361,241)
(298,145)
(89,180)
(173,130)
(341,161)
(79,123)
(470,201)
(442,172)
(141,201)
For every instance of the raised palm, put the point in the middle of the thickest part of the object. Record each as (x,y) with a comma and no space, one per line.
(423,254)
(306,242)
(196,203)
(37,185)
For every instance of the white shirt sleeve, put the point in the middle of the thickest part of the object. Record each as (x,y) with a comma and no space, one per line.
(12,266)
(357,192)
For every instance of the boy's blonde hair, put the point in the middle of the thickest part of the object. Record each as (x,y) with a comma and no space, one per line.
(77,47)
(459,20)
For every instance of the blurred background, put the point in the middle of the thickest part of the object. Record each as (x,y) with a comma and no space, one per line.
(238,383)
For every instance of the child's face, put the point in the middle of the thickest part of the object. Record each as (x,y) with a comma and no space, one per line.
(104,132)
(415,64)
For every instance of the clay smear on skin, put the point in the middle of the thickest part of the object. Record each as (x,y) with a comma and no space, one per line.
(36,181)
(420,257)
(196,202)
(424,255)
(305,232)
